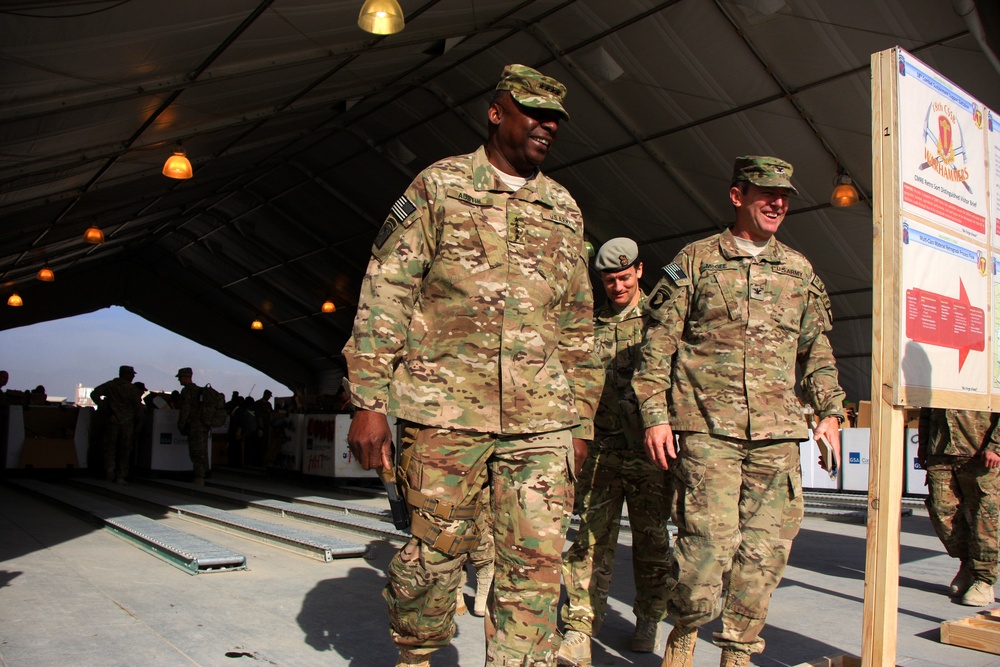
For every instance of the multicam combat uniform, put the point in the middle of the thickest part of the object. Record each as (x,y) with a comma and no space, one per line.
(121,400)
(189,423)
(617,471)
(475,328)
(963,494)
(718,364)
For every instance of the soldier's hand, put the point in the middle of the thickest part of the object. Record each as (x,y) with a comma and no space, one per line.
(991,459)
(580,453)
(829,428)
(370,439)
(659,443)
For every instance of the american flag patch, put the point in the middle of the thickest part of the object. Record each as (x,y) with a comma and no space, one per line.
(675,273)
(403,208)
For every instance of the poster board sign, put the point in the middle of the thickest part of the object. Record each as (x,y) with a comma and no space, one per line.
(941,151)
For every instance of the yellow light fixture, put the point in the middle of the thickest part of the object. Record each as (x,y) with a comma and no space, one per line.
(844,194)
(93,235)
(381,17)
(329,307)
(256,325)
(15,300)
(178,166)
(46,275)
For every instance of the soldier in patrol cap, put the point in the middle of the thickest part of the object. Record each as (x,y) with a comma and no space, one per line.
(617,471)
(189,423)
(731,317)
(121,407)
(475,329)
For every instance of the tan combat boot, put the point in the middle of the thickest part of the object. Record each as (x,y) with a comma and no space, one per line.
(680,647)
(484,579)
(460,608)
(979,594)
(733,658)
(646,638)
(408,658)
(961,582)
(574,650)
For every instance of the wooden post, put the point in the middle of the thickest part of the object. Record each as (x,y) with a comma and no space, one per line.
(885,481)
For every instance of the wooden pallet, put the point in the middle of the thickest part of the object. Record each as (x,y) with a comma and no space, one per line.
(981,632)
(835,661)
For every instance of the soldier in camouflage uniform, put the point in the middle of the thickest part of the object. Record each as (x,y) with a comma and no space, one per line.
(617,471)
(960,450)
(189,423)
(122,402)
(475,328)
(732,315)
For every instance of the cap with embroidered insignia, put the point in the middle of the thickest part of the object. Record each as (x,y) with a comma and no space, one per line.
(763,171)
(616,255)
(533,89)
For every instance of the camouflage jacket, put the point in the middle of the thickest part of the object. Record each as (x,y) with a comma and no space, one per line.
(476,309)
(617,338)
(121,398)
(726,332)
(957,432)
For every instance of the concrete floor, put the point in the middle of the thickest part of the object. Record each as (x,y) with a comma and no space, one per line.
(73,594)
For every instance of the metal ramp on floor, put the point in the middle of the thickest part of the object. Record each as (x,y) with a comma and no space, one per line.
(315,509)
(303,542)
(183,550)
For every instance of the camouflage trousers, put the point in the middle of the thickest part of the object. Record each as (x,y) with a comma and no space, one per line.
(613,475)
(198,450)
(964,507)
(738,507)
(531,494)
(118,437)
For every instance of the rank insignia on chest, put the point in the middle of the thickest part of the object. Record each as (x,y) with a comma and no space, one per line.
(676,274)
(515,227)
(757,292)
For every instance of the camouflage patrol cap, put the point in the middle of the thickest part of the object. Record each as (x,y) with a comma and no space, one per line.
(125,370)
(185,371)
(763,171)
(533,89)
(616,255)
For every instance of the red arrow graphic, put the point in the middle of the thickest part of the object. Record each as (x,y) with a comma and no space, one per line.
(940,320)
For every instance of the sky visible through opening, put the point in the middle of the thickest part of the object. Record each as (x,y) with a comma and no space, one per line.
(88,349)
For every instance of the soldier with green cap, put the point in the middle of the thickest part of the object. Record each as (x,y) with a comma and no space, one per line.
(475,329)
(616,472)
(120,406)
(732,316)
(189,423)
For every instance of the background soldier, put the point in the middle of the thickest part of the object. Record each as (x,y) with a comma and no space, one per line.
(189,423)
(617,471)
(475,329)
(732,315)
(960,450)
(121,403)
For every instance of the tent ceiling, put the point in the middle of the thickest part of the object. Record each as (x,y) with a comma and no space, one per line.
(302,130)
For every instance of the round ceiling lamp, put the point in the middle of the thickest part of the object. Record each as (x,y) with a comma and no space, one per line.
(381,17)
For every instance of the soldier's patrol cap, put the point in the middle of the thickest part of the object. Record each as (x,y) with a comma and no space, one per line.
(763,171)
(616,255)
(533,89)
(185,371)
(125,370)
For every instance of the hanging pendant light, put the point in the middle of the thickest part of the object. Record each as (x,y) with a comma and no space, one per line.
(844,194)
(93,235)
(46,275)
(15,300)
(381,17)
(178,166)
(256,325)
(329,307)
